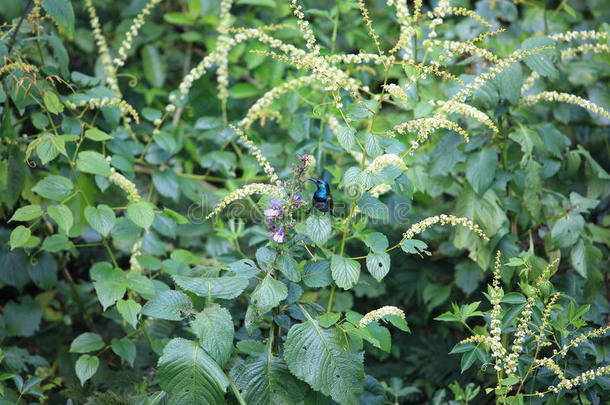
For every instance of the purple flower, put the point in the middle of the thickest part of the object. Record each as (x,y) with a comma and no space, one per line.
(279,236)
(275,211)
(298,201)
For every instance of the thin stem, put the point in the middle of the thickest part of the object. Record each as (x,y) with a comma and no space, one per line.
(329,305)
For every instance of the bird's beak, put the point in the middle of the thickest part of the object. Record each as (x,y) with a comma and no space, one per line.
(314,180)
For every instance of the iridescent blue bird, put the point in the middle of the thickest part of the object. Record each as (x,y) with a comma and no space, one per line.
(322,200)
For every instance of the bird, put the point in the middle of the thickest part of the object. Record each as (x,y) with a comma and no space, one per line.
(322,199)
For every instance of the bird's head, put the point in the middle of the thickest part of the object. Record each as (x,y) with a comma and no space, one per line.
(322,184)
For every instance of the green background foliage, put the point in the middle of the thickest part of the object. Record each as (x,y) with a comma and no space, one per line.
(118,297)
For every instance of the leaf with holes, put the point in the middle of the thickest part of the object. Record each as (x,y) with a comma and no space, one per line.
(378,264)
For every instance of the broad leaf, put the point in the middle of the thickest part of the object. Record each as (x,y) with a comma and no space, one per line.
(86,367)
(264,379)
(318,228)
(170,305)
(321,358)
(378,264)
(226,287)
(214,328)
(129,310)
(345,271)
(101,219)
(189,375)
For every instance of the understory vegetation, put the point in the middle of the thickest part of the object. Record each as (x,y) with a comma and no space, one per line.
(304,202)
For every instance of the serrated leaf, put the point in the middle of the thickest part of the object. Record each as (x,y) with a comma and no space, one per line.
(289,268)
(316,274)
(226,287)
(265,380)
(86,342)
(509,81)
(376,241)
(346,137)
(93,162)
(378,264)
(170,305)
(86,367)
(322,359)
(141,213)
(189,375)
(318,228)
(101,218)
(566,231)
(27,213)
(481,169)
(541,62)
(328,319)
(345,271)
(268,294)
(214,329)
(62,215)
(129,310)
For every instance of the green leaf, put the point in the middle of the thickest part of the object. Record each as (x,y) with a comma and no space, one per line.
(289,268)
(346,137)
(585,258)
(93,162)
(141,213)
(398,322)
(481,169)
(110,285)
(175,216)
(189,375)
(413,246)
(214,329)
(86,342)
(541,62)
(62,14)
(19,237)
(47,149)
(129,310)
(264,379)
(101,219)
(328,319)
(318,228)
(509,81)
(86,367)
(54,188)
(154,68)
(170,305)
(467,277)
(268,294)
(378,264)
(345,271)
(322,359)
(316,274)
(226,287)
(373,207)
(125,349)
(97,135)
(62,215)
(52,103)
(376,241)
(22,319)
(27,213)
(566,231)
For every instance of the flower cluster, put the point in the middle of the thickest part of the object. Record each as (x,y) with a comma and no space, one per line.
(380,189)
(584,48)
(244,192)
(134,264)
(510,362)
(303,24)
(579,380)
(261,107)
(124,184)
(449,107)
(137,23)
(385,160)
(396,91)
(453,48)
(582,35)
(123,105)
(497,349)
(407,29)
(546,315)
(369,25)
(566,98)
(425,126)
(256,152)
(378,314)
(102,46)
(443,219)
